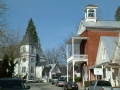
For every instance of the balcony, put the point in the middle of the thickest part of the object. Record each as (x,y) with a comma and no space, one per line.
(78,58)
(73,45)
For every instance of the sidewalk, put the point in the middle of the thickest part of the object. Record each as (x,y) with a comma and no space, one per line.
(81,87)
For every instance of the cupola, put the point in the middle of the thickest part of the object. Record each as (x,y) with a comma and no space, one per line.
(90,13)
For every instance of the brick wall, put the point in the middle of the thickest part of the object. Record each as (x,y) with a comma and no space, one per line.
(92,43)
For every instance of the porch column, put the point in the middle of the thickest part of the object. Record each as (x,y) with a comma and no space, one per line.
(67,72)
(111,75)
(73,71)
(106,74)
(73,59)
(102,72)
(67,58)
(89,74)
(72,46)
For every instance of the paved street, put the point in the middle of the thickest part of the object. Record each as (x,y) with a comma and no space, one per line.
(45,86)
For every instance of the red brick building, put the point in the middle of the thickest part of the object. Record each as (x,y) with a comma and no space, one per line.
(89,33)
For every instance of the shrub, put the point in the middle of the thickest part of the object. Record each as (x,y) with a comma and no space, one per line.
(77,79)
(87,83)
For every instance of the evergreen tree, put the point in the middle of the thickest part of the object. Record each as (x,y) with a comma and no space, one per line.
(117,14)
(32,30)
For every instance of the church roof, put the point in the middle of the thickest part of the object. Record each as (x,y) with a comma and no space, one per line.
(109,44)
(101,24)
(63,69)
(91,5)
(41,63)
(28,40)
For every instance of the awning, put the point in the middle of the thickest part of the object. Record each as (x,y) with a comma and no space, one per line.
(77,40)
(106,65)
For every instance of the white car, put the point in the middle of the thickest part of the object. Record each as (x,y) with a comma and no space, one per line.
(44,80)
(32,81)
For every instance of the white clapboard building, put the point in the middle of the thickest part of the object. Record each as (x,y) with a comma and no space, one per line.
(31,61)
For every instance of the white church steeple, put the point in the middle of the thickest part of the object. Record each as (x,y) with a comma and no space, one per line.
(90,13)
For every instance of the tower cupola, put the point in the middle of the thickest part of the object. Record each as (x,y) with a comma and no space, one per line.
(90,13)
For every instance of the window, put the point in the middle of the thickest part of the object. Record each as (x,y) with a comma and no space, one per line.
(32,60)
(91,13)
(24,48)
(32,49)
(32,69)
(37,58)
(32,77)
(23,69)
(103,54)
(24,59)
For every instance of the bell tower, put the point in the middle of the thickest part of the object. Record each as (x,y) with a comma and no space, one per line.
(90,13)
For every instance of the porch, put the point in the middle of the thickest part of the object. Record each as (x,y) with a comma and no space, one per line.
(74,58)
(106,71)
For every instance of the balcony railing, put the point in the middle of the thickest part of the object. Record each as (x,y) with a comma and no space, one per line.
(78,57)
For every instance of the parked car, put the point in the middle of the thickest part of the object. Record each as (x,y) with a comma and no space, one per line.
(31,81)
(12,84)
(43,80)
(70,86)
(63,77)
(60,82)
(100,85)
(54,80)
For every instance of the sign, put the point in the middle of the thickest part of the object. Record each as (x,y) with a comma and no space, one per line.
(98,71)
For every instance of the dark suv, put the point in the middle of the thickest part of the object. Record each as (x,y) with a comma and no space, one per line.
(12,84)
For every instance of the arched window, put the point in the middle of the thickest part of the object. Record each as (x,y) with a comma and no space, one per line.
(24,59)
(91,13)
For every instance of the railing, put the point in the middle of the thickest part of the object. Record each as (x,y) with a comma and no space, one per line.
(78,57)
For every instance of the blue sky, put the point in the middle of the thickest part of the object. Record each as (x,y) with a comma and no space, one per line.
(55,19)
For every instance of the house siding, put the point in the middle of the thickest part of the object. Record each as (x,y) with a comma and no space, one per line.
(92,44)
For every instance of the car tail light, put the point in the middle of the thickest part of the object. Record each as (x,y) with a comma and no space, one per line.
(60,82)
(102,88)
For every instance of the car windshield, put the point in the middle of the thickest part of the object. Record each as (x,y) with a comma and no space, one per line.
(61,80)
(103,83)
(16,84)
(55,77)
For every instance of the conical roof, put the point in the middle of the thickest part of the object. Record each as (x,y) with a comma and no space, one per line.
(28,40)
